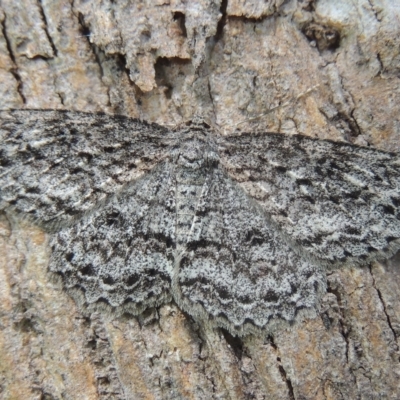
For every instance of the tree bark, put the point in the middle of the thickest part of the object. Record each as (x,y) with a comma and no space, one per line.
(320,68)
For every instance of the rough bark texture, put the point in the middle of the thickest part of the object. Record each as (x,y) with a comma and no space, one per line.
(230,61)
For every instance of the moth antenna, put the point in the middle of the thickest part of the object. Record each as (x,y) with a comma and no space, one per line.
(287,103)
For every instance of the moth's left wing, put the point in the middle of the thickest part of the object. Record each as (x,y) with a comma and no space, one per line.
(56,165)
(121,255)
(338,202)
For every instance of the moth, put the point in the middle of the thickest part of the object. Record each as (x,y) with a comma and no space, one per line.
(238,230)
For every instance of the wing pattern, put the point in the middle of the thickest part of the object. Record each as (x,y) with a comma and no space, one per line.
(239,271)
(121,254)
(335,201)
(237,230)
(56,165)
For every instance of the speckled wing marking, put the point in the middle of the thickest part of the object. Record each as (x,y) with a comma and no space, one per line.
(56,165)
(336,201)
(239,271)
(239,230)
(122,254)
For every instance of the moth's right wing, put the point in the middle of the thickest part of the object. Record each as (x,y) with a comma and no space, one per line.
(338,202)
(237,270)
(55,165)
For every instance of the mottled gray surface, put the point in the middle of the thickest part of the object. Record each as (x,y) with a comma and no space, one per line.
(141,214)
(337,202)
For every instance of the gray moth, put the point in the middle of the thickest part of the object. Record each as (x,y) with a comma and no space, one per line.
(238,230)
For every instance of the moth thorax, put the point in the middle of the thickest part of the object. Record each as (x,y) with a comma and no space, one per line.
(196,154)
